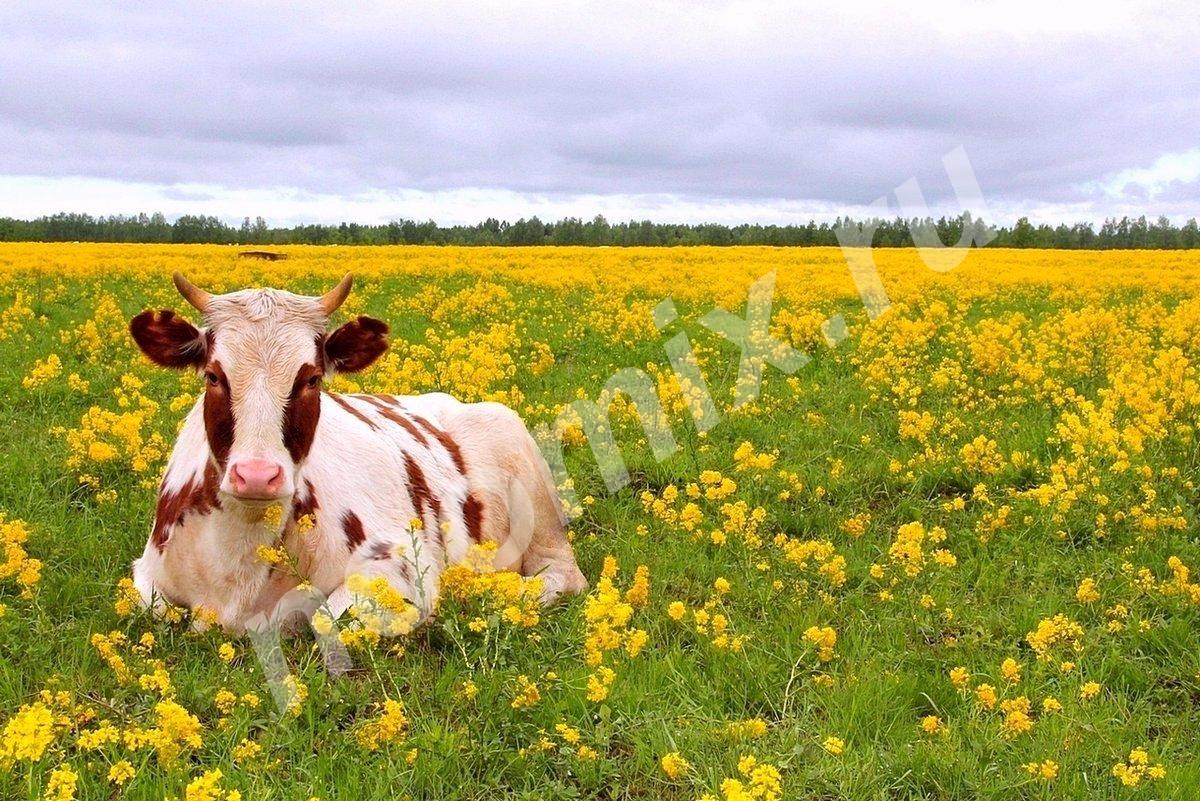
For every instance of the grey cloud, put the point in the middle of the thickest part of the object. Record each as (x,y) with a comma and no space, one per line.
(332,101)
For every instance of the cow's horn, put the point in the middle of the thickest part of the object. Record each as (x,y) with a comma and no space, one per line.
(335,297)
(192,293)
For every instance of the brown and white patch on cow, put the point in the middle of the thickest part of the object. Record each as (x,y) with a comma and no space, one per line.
(354,411)
(446,442)
(380,551)
(393,413)
(174,506)
(352,526)
(302,411)
(425,503)
(306,502)
(218,412)
(472,512)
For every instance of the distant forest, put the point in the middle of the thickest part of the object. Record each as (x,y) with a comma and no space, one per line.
(1124,233)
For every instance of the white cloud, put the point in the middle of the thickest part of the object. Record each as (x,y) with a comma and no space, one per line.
(33,195)
(1170,170)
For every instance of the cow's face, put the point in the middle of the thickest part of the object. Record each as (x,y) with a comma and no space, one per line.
(263,354)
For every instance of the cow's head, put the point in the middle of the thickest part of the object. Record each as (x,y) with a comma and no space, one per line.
(263,354)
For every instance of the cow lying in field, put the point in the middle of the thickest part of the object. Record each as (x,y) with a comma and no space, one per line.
(364,467)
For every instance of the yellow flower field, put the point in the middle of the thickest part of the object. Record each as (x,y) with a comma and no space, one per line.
(953,555)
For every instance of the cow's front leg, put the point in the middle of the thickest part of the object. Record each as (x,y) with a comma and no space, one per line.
(335,605)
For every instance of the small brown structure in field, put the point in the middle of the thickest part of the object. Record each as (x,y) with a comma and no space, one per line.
(262,254)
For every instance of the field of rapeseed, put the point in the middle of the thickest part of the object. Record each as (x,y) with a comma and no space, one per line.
(953,556)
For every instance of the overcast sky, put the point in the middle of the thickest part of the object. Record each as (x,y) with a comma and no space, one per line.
(674,111)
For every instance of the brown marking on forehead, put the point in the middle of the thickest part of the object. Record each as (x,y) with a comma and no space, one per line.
(302,411)
(355,536)
(386,412)
(349,407)
(472,510)
(193,498)
(447,442)
(419,493)
(218,412)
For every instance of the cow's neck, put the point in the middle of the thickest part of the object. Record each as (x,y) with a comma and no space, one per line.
(232,537)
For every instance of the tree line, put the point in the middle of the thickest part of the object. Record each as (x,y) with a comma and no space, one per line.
(963,230)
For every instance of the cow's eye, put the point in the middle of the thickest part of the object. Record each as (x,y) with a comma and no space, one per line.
(211,378)
(313,380)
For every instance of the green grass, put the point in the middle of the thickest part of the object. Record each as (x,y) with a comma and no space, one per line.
(892,659)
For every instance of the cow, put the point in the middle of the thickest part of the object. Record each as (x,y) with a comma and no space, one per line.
(373,486)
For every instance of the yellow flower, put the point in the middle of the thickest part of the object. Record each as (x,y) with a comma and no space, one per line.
(1087,592)
(27,734)
(824,638)
(16,562)
(932,724)
(1010,669)
(44,371)
(599,682)
(226,652)
(61,786)
(569,734)
(272,556)
(121,772)
(1089,690)
(639,592)
(747,729)
(105,734)
(1054,632)
(128,598)
(1016,719)
(245,750)
(1138,767)
(391,726)
(297,693)
(527,694)
(1046,770)
(224,701)
(834,745)
(674,765)
(207,787)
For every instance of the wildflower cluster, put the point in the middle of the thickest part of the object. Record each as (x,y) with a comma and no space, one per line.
(1137,768)
(608,614)
(710,620)
(18,566)
(491,597)
(760,781)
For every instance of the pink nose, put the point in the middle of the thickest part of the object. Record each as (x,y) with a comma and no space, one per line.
(256,478)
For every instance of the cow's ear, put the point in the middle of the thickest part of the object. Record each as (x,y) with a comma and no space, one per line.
(168,339)
(356,345)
